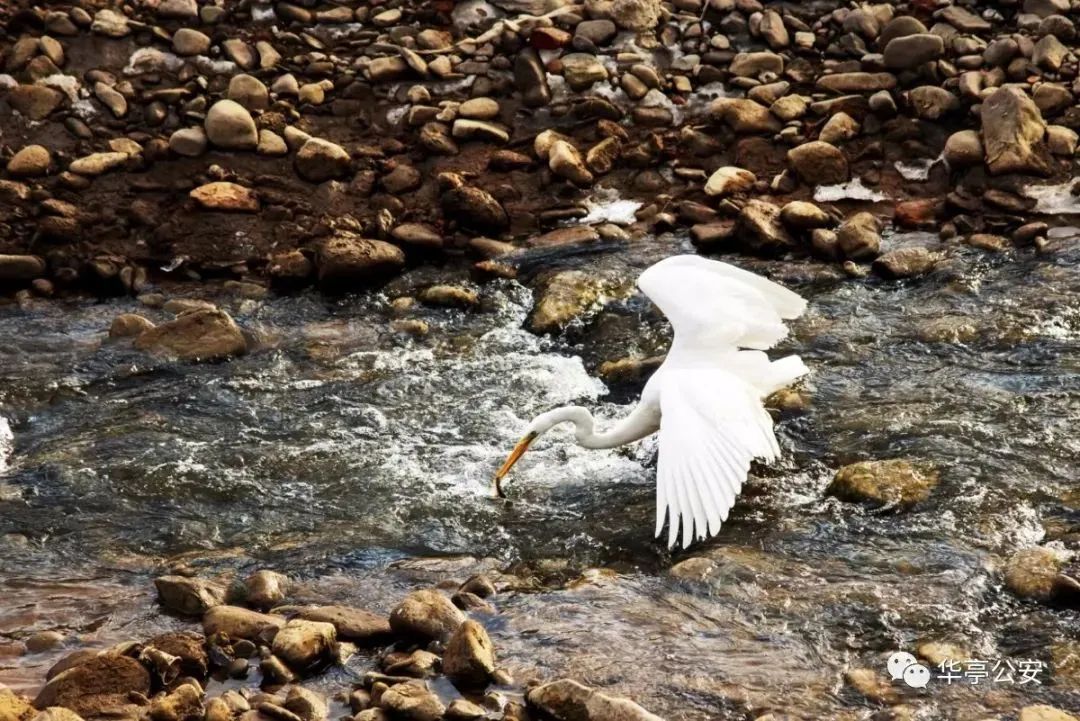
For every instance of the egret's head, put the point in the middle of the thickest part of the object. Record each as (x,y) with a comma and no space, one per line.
(539,425)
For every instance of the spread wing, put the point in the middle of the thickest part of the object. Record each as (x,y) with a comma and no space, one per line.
(712,422)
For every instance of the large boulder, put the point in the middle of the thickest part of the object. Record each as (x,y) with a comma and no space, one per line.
(346,260)
(819,163)
(567,700)
(469,659)
(200,335)
(104,681)
(1013,131)
(426,614)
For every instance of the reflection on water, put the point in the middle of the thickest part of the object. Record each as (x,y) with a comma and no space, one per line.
(339,447)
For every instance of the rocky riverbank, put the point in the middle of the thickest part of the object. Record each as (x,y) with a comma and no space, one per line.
(287,144)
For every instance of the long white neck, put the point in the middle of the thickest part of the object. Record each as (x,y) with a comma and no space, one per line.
(636,425)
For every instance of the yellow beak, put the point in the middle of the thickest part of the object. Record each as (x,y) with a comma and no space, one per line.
(518,452)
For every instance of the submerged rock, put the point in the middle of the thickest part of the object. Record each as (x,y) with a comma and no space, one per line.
(1035,573)
(200,335)
(895,482)
(567,700)
(563,298)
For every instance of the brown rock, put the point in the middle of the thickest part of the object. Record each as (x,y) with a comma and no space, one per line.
(760,228)
(426,614)
(819,163)
(1013,130)
(906,262)
(199,335)
(412,702)
(226,196)
(265,589)
(567,700)
(21,267)
(36,102)
(893,482)
(469,659)
(858,237)
(352,624)
(236,622)
(319,160)
(102,681)
(31,161)
(347,260)
(302,644)
(187,596)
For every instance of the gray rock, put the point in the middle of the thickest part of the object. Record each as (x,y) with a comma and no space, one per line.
(911,51)
(229,125)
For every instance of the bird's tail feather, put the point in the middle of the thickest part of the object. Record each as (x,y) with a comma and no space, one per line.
(786,371)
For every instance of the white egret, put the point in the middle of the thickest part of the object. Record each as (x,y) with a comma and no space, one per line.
(706,398)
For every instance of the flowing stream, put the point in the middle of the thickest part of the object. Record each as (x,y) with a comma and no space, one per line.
(359,461)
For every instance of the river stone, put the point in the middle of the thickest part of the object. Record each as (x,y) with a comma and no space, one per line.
(302,644)
(819,163)
(182,703)
(469,658)
(728,180)
(199,335)
(426,614)
(352,624)
(412,701)
(911,51)
(226,196)
(1061,140)
(187,41)
(566,162)
(900,26)
(872,685)
(105,681)
(1042,712)
(759,226)
(1033,572)
(129,325)
(449,296)
(568,700)
(319,160)
(14,707)
(189,647)
(895,482)
(963,149)
(249,92)
(931,102)
(790,107)
(839,127)
(858,237)
(178,9)
(54,713)
(744,116)
(306,704)
(36,102)
(803,215)
(1013,130)
(180,594)
(856,82)
(530,78)
(751,65)
(229,125)
(347,260)
(97,163)
(582,70)
(21,267)
(475,208)
(31,161)
(236,623)
(1050,54)
(906,262)
(464,710)
(110,23)
(188,142)
(265,589)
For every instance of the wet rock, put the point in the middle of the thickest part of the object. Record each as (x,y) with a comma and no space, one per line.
(963,149)
(931,102)
(530,79)
(249,91)
(189,647)
(480,585)
(469,659)
(803,215)
(582,70)
(856,82)
(189,142)
(893,482)
(319,160)
(463,710)
(265,589)
(98,683)
(1042,712)
(236,622)
(567,700)
(728,180)
(989,242)
(418,664)
(838,128)
(760,227)
(858,237)
(44,641)
(97,164)
(1033,573)
(352,624)
(412,702)
(819,163)
(1012,131)
(306,704)
(200,335)
(753,64)
(180,594)
(187,41)
(906,262)
(426,614)
(347,260)
(744,116)
(1061,141)
(36,102)
(181,704)
(110,24)
(872,685)
(226,196)
(30,162)
(302,644)
(450,296)
(911,51)
(230,126)
(475,208)
(14,707)
(566,162)
(939,652)
(21,267)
